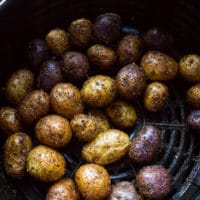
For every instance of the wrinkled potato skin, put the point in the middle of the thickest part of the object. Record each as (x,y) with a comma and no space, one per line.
(45,164)
(193,120)
(155,96)
(122,114)
(66,100)
(53,131)
(193,96)
(93,182)
(9,121)
(159,66)
(108,147)
(34,106)
(16,149)
(19,85)
(99,90)
(189,67)
(64,189)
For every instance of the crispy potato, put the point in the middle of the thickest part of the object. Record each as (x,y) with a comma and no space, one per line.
(193,120)
(193,96)
(108,147)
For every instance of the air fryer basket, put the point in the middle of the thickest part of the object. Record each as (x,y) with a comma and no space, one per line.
(23,20)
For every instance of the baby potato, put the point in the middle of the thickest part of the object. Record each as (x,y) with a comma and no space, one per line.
(193,120)
(34,106)
(129,49)
(80,32)
(131,81)
(122,114)
(108,147)
(16,149)
(66,100)
(9,120)
(159,66)
(99,90)
(58,41)
(155,96)
(193,96)
(45,164)
(53,131)
(189,67)
(63,189)
(83,127)
(101,56)
(93,182)
(19,85)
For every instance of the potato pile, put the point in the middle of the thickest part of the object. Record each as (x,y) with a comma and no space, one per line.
(66,92)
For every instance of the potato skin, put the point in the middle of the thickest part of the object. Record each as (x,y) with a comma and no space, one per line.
(53,131)
(66,100)
(122,114)
(19,85)
(108,147)
(99,90)
(193,96)
(63,189)
(45,164)
(154,181)
(16,149)
(93,181)
(193,120)
(155,96)
(159,66)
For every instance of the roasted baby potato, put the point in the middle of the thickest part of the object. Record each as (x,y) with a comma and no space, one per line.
(193,96)
(193,120)
(108,147)
(16,149)
(93,182)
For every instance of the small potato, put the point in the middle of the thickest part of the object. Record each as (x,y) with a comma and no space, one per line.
(99,91)
(34,106)
(101,56)
(193,120)
(147,145)
(45,164)
(108,147)
(159,66)
(9,120)
(155,96)
(16,149)
(83,127)
(193,96)
(64,189)
(80,32)
(122,114)
(131,81)
(66,100)
(129,49)
(19,85)
(93,182)
(53,131)
(58,41)
(189,67)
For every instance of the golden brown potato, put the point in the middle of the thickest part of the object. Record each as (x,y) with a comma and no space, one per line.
(121,113)
(58,41)
(189,67)
(93,182)
(99,90)
(159,66)
(83,127)
(34,106)
(9,120)
(53,131)
(19,85)
(45,164)
(66,100)
(108,147)
(155,96)
(193,96)
(16,149)
(64,189)
(101,56)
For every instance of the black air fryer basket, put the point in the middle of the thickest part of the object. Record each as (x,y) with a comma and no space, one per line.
(23,20)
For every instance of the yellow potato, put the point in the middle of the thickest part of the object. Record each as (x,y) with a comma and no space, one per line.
(193,96)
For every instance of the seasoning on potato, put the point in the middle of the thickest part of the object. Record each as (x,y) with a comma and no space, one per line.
(193,120)
(66,100)
(108,147)
(93,182)
(193,96)
(16,149)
